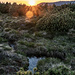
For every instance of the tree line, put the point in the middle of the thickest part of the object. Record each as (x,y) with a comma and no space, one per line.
(21,9)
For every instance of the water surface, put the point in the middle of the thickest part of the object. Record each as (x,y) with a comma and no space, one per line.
(33,62)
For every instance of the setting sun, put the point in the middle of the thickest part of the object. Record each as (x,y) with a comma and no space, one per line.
(31,2)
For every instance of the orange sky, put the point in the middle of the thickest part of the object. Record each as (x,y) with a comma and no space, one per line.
(36,1)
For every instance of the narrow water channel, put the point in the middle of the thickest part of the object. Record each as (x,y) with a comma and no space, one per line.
(33,62)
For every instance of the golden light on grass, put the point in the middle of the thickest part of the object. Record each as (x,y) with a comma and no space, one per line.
(29,14)
(32,2)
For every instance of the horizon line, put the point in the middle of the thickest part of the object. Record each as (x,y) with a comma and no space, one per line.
(19,2)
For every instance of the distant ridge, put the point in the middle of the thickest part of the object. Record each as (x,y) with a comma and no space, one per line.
(59,3)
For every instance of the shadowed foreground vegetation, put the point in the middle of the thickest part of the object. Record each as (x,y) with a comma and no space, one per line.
(60,70)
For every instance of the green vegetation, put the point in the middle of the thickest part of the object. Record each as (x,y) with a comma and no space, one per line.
(60,70)
(45,64)
(2,40)
(20,52)
(21,71)
(40,34)
(7,29)
(71,34)
(28,44)
(27,35)
(0,13)
(57,22)
(58,43)
(7,48)
(50,32)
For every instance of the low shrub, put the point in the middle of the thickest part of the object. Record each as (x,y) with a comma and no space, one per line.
(0,13)
(20,52)
(21,71)
(58,22)
(60,70)
(7,29)
(28,44)
(0,39)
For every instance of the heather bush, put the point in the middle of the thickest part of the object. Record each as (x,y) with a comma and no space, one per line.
(58,22)
(60,70)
